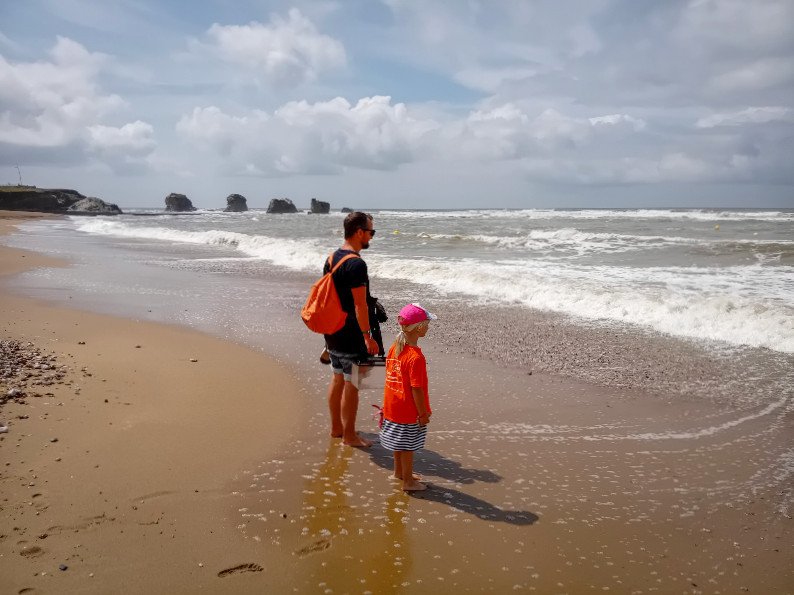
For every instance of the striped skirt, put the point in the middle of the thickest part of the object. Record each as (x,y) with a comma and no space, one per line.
(394,436)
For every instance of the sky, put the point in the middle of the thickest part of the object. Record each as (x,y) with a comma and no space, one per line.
(402,103)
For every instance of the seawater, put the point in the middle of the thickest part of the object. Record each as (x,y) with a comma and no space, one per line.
(721,276)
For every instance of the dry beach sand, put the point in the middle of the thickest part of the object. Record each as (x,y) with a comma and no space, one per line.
(132,496)
(216,475)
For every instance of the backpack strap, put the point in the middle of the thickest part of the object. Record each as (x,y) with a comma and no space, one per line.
(338,264)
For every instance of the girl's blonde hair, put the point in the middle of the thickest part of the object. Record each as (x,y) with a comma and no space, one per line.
(399,340)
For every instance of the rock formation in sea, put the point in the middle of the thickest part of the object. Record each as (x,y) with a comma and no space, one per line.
(281,205)
(236,203)
(347,210)
(320,207)
(53,200)
(93,206)
(178,203)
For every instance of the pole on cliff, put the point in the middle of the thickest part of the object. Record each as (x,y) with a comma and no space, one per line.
(20,175)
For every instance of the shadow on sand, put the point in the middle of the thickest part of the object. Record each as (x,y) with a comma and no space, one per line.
(428,462)
(474,506)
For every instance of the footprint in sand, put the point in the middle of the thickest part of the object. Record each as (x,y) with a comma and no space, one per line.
(86,523)
(31,552)
(313,548)
(241,568)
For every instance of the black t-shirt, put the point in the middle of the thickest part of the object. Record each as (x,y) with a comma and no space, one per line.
(352,274)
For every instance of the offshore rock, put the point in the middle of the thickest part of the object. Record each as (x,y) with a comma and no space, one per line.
(347,210)
(93,206)
(320,207)
(236,203)
(178,203)
(281,205)
(52,200)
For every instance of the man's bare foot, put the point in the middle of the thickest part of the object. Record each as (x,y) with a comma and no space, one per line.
(359,442)
(413,486)
(334,435)
(415,476)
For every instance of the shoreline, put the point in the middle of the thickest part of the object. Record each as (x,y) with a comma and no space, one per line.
(539,482)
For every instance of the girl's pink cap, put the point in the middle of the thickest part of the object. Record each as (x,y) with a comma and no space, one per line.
(413,313)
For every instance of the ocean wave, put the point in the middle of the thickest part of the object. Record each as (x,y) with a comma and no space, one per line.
(299,255)
(706,308)
(743,305)
(542,214)
(570,238)
(583,242)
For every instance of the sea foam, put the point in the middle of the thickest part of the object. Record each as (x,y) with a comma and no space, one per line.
(743,306)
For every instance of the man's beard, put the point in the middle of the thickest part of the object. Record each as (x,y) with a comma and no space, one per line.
(365,246)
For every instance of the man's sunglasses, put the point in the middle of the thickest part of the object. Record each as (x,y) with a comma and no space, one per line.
(372,231)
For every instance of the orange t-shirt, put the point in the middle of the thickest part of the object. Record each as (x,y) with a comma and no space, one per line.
(409,370)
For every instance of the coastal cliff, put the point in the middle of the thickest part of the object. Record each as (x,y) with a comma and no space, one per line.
(53,200)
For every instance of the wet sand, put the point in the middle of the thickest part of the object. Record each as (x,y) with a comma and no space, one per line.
(652,475)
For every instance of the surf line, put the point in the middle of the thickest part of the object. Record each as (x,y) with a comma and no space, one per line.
(544,432)
(771,408)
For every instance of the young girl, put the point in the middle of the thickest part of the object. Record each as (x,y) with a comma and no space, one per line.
(406,404)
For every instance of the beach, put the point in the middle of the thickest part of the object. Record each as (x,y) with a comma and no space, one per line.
(116,470)
(167,460)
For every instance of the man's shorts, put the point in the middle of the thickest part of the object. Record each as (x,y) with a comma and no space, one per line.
(342,363)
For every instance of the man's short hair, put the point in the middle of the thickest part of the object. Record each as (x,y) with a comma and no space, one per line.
(355,221)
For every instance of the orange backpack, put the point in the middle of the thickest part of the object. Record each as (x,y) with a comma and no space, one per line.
(323,312)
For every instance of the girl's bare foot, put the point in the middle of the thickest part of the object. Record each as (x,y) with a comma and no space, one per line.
(415,476)
(359,441)
(413,486)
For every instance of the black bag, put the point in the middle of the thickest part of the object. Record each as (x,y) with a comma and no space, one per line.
(377,315)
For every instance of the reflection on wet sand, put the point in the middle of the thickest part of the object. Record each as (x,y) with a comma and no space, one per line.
(375,564)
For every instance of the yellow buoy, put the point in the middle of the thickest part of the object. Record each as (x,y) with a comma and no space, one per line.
(395,231)
(755,234)
(716,227)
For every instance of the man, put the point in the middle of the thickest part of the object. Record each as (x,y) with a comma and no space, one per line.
(353,341)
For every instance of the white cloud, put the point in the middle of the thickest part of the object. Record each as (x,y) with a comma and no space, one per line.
(302,137)
(216,129)
(755,76)
(137,137)
(324,137)
(507,132)
(676,168)
(506,112)
(287,52)
(636,124)
(738,23)
(489,46)
(751,115)
(49,104)
(58,105)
